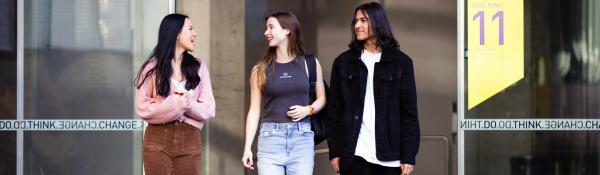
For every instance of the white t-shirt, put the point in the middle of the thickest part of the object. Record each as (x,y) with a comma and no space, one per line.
(365,147)
(180,86)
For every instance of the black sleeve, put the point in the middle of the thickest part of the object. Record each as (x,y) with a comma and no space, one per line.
(409,114)
(335,107)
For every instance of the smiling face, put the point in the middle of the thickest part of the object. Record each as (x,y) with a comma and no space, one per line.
(275,33)
(187,36)
(361,26)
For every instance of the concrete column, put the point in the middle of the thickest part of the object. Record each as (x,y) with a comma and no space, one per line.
(220,28)
(199,13)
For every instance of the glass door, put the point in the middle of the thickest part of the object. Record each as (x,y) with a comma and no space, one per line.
(66,95)
(529,87)
(8,84)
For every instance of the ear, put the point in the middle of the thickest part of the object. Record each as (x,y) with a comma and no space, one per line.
(286,31)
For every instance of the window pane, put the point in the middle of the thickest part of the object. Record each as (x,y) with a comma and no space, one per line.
(562,80)
(8,83)
(79,65)
(532,152)
(91,153)
(562,65)
(8,60)
(8,150)
(78,57)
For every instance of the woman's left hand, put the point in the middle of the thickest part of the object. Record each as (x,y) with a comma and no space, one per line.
(297,113)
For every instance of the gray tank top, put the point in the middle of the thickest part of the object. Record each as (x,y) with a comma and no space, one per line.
(286,86)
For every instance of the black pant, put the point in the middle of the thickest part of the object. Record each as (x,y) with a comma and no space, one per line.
(359,166)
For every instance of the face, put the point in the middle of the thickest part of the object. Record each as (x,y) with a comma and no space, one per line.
(361,26)
(187,36)
(274,33)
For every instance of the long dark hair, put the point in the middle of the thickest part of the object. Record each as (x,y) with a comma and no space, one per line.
(163,53)
(288,21)
(378,24)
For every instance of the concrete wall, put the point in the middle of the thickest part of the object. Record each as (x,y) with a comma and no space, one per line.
(220,28)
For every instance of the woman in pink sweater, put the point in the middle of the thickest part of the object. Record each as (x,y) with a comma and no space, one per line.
(174,95)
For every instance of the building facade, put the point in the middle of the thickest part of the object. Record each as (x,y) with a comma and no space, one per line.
(75,60)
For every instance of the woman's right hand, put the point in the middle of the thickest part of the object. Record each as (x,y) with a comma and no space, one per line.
(183,98)
(247,159)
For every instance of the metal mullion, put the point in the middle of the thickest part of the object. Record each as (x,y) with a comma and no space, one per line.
(461,101)
(20,81)
(172,6)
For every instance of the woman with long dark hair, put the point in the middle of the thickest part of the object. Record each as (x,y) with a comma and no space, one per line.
(285,141)
(174,95)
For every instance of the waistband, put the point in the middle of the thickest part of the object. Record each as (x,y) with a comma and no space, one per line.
(292,125)
(172,123)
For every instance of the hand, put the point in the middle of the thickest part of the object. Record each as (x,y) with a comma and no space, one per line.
(297,113)
(247,160)
(185,96)
(406,169)
(335,163)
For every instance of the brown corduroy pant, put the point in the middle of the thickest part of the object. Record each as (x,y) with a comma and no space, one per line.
(171,149)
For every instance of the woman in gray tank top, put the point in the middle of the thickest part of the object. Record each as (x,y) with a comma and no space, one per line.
(280,78)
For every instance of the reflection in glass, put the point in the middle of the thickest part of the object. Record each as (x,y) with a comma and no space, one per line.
(92,152)
(8,59)
(78,65)
(562,65)
(78,57)
(8,83)
(562,80)
(531,153)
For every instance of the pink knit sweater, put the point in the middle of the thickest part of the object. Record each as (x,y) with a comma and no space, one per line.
(156,109)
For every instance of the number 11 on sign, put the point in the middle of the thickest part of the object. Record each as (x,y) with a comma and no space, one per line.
(500,15)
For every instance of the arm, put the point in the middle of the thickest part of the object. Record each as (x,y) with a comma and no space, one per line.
(151,109)
(336,109)
(252,119)
(202,105)
(300,112)
(409,115)
(320,99)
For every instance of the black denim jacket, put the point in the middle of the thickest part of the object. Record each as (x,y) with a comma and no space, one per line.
(397,131)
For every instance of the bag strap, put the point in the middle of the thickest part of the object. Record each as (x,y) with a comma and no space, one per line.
(311,64)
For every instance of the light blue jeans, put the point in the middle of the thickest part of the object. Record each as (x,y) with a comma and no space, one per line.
(285,149)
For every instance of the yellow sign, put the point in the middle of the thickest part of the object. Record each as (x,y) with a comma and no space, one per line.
(495,47)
